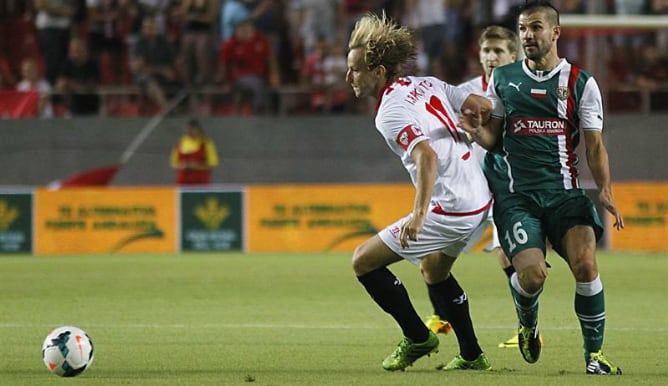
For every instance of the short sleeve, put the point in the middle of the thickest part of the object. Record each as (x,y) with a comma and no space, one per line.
(396,127)
(591,107)
(498,109)
(456,95)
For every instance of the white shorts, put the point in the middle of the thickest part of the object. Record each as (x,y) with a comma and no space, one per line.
(480,231)
(440,233)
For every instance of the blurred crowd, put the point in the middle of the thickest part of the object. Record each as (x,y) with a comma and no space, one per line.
(242,56)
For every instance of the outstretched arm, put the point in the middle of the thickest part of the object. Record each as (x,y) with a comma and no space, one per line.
(597,159)
(475,119)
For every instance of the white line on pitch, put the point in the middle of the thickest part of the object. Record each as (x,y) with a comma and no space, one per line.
(314,326)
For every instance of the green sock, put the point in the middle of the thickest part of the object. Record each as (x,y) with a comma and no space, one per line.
(590,309)
(526,304)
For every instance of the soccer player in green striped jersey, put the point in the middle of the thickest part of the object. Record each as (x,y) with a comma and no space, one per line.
(541,105)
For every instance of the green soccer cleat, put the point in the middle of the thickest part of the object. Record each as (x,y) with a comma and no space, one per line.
(598,365)
(408,352)
(436,325)
(529,343)
(513,341)
(459,363)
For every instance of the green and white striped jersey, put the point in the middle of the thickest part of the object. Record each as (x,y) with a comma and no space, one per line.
(543,114)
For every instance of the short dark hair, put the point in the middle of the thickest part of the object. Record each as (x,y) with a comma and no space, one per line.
(551,13)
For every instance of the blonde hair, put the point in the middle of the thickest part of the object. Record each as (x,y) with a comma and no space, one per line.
(385,43)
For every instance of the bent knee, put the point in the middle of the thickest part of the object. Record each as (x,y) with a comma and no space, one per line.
(360,261)
(584,270)
(533,277)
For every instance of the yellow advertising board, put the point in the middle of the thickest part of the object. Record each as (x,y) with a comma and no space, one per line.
(106,220)
(316,218)
(645,210)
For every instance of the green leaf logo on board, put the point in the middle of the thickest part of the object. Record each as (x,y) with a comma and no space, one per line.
(212,213)
(7,215)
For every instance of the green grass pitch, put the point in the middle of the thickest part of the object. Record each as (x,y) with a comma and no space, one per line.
(303,319)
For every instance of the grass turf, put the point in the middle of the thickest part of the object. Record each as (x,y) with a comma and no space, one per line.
(303,319)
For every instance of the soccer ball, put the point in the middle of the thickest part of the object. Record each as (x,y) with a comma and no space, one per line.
(67,351)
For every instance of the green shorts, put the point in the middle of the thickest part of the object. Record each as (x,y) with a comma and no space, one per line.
(525,220)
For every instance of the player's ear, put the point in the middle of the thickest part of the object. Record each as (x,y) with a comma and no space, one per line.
(556,32)
(381,72)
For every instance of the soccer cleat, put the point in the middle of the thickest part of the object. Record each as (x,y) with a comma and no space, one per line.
(459,363)
(436,325)
(408,352)
(598,365)
(529,343)
(513,341)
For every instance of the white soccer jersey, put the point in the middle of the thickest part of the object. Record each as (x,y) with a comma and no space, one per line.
(476,86)
(416,109)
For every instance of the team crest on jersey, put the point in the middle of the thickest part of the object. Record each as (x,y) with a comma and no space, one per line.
(403,139)
(407,135)
(562,93)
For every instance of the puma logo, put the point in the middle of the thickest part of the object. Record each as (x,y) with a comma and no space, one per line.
(461,299)
(517,86)
(593,328)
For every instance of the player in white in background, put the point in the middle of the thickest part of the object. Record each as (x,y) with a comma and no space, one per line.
(541,107)
(497,46)
(417,117)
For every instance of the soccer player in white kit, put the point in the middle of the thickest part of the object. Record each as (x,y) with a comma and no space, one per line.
(417,117)
(498,46)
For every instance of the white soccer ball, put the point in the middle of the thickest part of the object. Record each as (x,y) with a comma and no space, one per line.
(67,351)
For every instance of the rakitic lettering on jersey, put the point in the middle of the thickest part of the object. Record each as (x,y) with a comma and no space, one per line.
(418,91)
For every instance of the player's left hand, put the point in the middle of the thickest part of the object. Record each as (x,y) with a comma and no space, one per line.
(410,230)
(605,197)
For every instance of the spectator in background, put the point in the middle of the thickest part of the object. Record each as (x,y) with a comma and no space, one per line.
(427,18)
(194,157)
(660,7)
(270,17)
(248,65)
(152,63)
(5,85)
(53,22)
(337,90)
(134,13)
(350,11)
(571,41)
(634,40)
(651,70)
(196,55)
(313,20)
(7,79)
(233,12)
(313,73)
(651,73)
(79,79)
(31,81)
(106,39)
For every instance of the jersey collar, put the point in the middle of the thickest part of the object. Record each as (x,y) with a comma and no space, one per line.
(545,76)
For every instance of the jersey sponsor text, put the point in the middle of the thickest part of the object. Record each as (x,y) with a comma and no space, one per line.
(539,126)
